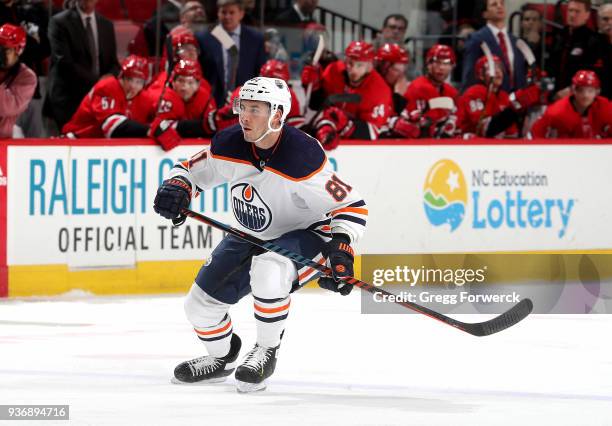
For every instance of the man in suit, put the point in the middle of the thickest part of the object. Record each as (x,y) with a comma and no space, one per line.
(502,44)
(83,49)
(299,13)
(226,67)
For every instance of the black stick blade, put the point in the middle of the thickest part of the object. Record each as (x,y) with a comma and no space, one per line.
(512,316)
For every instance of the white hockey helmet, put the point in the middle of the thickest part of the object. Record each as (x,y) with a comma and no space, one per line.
(274,91)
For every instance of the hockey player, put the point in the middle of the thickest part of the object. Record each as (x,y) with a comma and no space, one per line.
(583,114)
(486,110)
(106,111)
(184,46)
(355,74)
(284,190)
(186,103)
(273,69)
(432,102)
(168,132)
(391,63)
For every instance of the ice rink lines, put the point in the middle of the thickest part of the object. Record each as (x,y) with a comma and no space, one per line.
(111,360)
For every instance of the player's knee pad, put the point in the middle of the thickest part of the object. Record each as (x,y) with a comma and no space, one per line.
(203,310)
(272,276)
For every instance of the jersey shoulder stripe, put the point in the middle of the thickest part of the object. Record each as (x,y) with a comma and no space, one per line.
(230,144)
(298,157)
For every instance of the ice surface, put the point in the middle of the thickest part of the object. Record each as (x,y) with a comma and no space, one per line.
(111,360)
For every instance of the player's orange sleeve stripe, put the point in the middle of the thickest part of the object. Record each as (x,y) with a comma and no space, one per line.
(297,179)
(219,330)
(309,270)
(185,164)
(350,210)
(230,159)
(271,310)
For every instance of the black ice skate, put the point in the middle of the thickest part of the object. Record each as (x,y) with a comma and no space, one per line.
(257,366)
(208,369)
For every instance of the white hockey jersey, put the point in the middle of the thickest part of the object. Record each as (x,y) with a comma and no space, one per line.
(296,188)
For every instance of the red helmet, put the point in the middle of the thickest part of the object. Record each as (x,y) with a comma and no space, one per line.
(135,67)
(360,51)
(13,36)
(187,68)
(181,36)
(482,64)
(441,52)
(275,69)
(584,78)
(391,52)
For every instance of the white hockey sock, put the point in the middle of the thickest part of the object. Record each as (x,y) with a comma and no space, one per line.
(216,338)
(270,318)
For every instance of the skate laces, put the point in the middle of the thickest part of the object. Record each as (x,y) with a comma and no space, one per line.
(257,357)
(203,365)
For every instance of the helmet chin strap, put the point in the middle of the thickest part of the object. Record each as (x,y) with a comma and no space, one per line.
(270,128)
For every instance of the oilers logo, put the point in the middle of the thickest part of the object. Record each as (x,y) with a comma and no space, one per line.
(249,208)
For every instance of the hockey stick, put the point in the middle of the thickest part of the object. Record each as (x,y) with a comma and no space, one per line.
(315,61)
(494,325)
(491,71)
(170,63)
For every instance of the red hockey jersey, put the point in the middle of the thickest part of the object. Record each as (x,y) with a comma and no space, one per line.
(421,90)
(376,104)
(473,114)
(103,109)
(561,120)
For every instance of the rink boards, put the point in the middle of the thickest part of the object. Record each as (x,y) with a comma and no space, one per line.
(80,217)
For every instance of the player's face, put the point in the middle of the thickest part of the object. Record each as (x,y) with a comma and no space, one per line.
(394,73)
(131,86)
(498,77)
(439,70)
(10,56)
(584,96)
(188,52)
(253,118)
(230,16)
(185,86)
(357,70)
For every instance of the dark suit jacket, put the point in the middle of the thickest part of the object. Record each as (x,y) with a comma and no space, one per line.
(290,16)
(473,52)
(252,56)
(70,75)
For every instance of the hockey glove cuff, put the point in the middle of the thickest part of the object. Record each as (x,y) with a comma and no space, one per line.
(340,258)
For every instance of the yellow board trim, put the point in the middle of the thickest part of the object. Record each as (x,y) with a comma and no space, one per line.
(145,278)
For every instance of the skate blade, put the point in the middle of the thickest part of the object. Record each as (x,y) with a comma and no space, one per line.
(176,381)
(244,387)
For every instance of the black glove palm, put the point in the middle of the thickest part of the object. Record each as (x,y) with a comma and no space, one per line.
(172,196)
(340,258)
